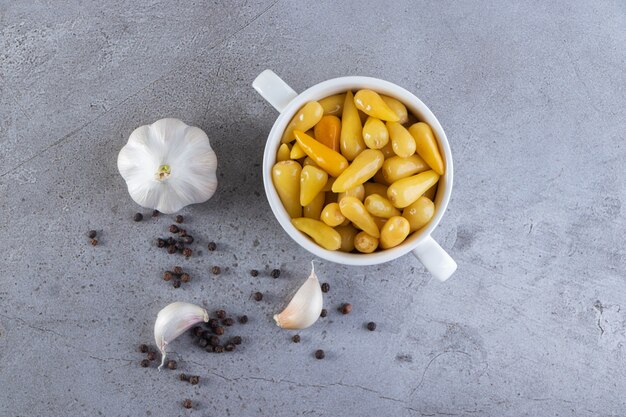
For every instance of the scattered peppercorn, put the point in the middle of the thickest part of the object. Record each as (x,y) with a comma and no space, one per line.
(173,228)
(216,270)
(214,340)
(185,277)
(325,287)
(194,380)
(275,273)
(179,219)
(221,314)
(229,347)
(187,403)
(254,273)
(160,243)
(319,354)
(94,242)
(138,217)
(213,323)
(258,296)
(187,252)
(243,319)
(208,349)
(212,246)
(92,234)
(295,338)
(228,321)
(236,340)
(171,249)
(176,283)
(346,308)
(218,349)
(145,363)
(182,232)
(218,331)
(170,241)
(167,275)
(178,270)
(203,343)
(197,331)
(171,364)
(143,348)
(151,356)
(186,239)
(371,326)
(155,213)
(183,377)
(323,313)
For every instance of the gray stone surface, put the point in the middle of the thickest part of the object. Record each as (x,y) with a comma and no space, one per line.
(532,96)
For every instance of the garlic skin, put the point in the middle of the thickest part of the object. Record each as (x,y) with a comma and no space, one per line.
(168,165)
(173,320)
(305,307)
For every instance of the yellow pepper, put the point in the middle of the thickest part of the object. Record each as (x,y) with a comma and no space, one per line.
(419,213)
(351,139)
(404,192)
(380,207)
(328,132)
(364,166)
(286,179)
(309,161)
(358,192)
(397,107)
(323,235)
(305,119)
(365,243)
(394,232)
(331,215)
(330,161)
(312,181)
(347,234)
(401,140)
(354,210)
(296,152)
(375,188)
(375,134)
(333,105)
(370,103)
(426,146)
(313,210)
(431,193)
(396,167)
(283,153)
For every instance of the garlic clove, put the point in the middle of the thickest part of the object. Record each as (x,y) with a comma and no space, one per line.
(305,307)
(173,320)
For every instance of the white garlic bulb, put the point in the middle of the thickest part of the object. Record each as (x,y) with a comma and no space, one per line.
(305,307)
(168,165)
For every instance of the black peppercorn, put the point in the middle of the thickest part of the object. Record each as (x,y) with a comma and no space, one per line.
(295,338)
(187,252)
(218,349)
(258,296)
(371,326)
(171,249)
(324,313)
(213,323)
(167,275)
(243,319)
(92,234)
(236,340)
(221,314)
(197,331)
(208,348)
(325,287)
(179,219)
(229,347)
(275,273)
(218,331)
(187,403)
(176,283)
(203,343)
(183,377)
(93,242)
(182,232)
(151,356)
(214,340)
(228,321)
(254,273)
(194,380)
(186,239)
(155,213)
(319,354)
(346,308)
(212,246)
(143,348)
(185,277)
(138,217)
(170,241)
(171,364)
(216,270)
(160,243)
(173,228)
(145,363)
(178,270)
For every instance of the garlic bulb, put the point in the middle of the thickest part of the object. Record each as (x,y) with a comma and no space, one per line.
(168,165)
(305,307)
(173,320)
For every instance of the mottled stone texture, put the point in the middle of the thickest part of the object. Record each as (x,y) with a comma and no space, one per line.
(532,96)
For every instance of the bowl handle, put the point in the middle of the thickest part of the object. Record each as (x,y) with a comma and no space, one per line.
(273,89)
(435,259)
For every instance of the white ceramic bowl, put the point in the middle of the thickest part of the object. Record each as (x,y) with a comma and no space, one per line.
(288,102)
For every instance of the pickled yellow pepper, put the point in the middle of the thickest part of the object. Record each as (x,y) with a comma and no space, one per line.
(347,234)
(351,140)
(379,206)
(364,167)
(283,153)
(354,210)
(396,168)
(397,107)
(323,235)
(286,179)
(305,119)
(370,103)
(394,232)
(401,140)
(313,210)
(328,132)
(333,105)
(405,191)
(330,161)
(365,243)
(331,215)
(312,181)
(375,134)
(419,213)
(426,146)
